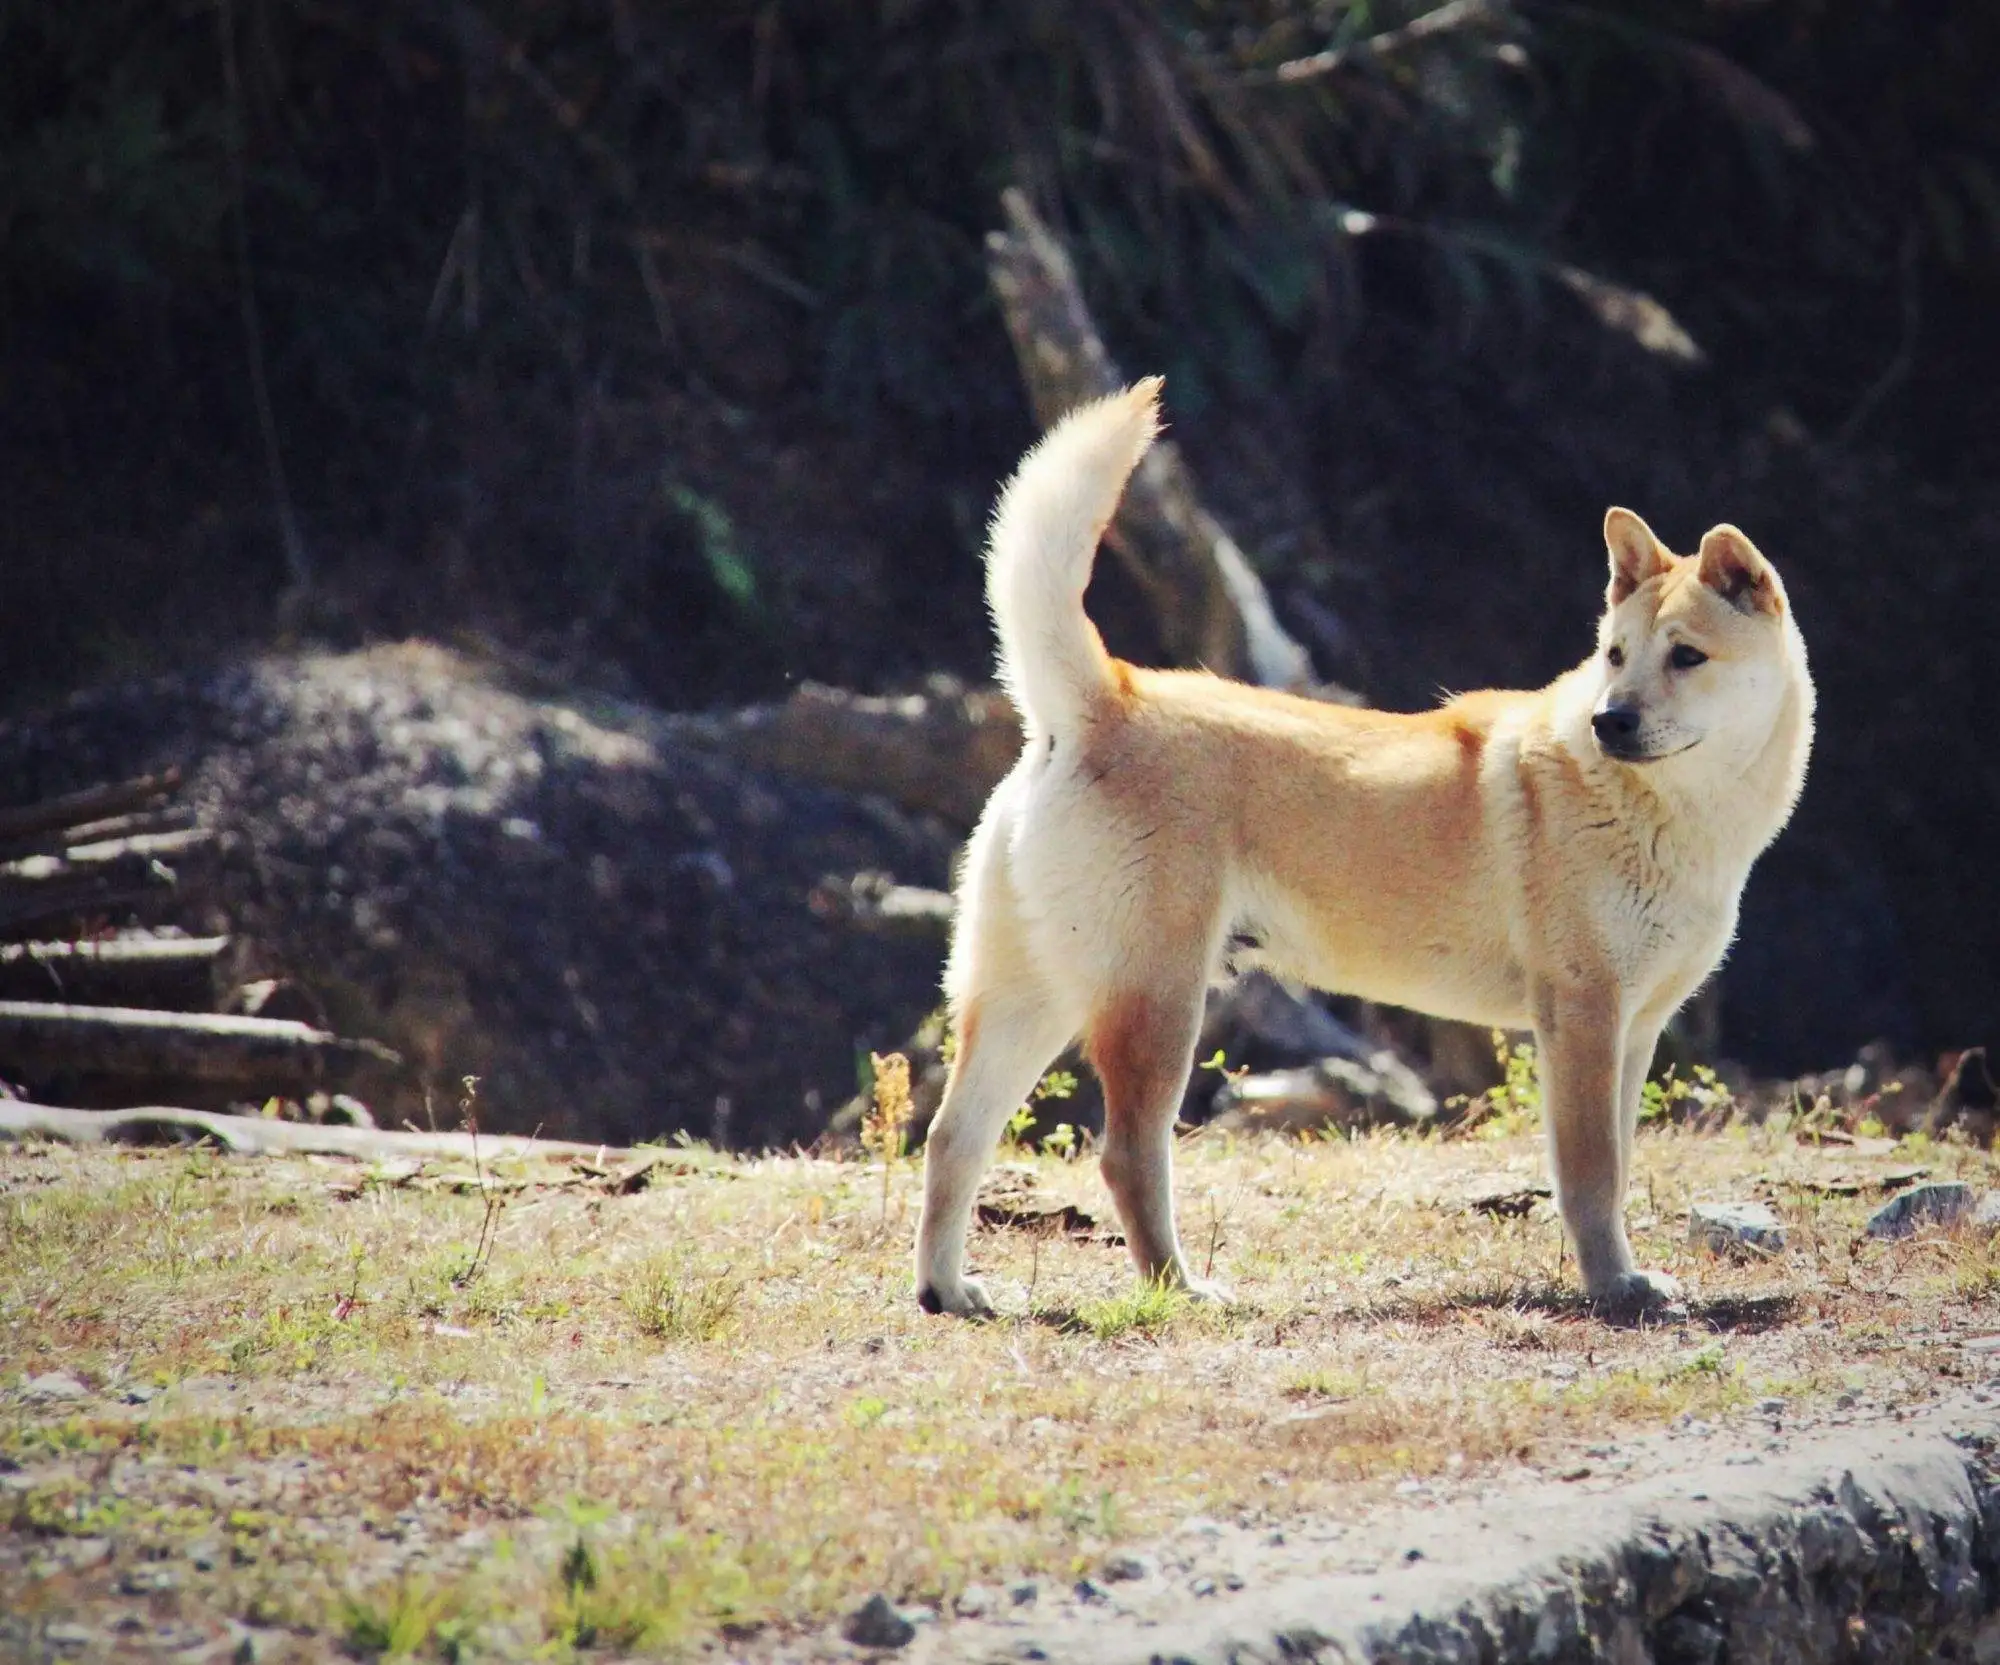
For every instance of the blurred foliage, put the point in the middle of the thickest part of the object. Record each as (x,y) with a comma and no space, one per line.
(491,241)
(551,174)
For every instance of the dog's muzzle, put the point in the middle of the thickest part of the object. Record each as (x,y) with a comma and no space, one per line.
(1617,731)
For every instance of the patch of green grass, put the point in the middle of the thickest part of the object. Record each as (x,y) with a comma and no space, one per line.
(1327,1384)
(405,1619)
(672,1299)
(643,1593)
(64,1510)
(1141,1309)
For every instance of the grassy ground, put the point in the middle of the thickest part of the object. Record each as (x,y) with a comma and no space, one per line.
(378,1411)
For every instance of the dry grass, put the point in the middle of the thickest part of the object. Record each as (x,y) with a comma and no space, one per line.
(713,1403)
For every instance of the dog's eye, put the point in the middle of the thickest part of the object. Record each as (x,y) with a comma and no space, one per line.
(1616,656)
(1685,658)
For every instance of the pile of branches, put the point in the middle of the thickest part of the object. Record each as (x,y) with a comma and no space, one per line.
(102,1003)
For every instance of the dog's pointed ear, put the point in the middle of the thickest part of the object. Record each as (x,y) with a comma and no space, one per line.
(1636,555)
(1733,568)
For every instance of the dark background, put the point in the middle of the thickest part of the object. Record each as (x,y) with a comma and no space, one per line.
(652,343)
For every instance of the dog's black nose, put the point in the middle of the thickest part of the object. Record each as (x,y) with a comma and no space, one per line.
(1616,726)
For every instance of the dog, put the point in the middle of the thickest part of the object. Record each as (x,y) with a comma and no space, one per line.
(1568,860)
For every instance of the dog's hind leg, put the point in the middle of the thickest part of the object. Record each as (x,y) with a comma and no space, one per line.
(1142,1046)
(1006,1037)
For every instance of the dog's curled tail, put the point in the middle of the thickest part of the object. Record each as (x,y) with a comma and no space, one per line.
(1041,548)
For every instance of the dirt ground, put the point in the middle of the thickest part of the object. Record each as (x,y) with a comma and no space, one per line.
(262,1409)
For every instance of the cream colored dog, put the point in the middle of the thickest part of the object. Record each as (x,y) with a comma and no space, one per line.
(1568,860)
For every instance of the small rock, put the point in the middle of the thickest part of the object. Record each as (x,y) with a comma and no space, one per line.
(1030,1651)
(1772,1407)
(1088,1592)
(1232,1581)
(975,1601)
(52,1387)
(1202,1587)
(140,1395)
(1119,1569)
(1942,1202)
(146,1581)
(875,1624)
(1735,1228)
(63,1636)
(1024,1593)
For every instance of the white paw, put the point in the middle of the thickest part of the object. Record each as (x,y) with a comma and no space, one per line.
(1208,1292)
(967,1300)
(1638,1292)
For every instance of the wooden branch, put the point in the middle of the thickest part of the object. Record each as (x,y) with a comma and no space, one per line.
(93,878)
(875,903)
(38,1038)
(54,840)
(266,1136)
(1460,14)
(92,804)
(939,752)
(1208,601)
(177,973)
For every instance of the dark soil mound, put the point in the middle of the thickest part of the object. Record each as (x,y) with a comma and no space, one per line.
(610,930)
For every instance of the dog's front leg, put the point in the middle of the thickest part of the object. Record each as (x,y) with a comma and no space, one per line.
(1585,1062)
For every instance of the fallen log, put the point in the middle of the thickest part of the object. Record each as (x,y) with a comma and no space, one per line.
(170,973)
(39,1039)
(94,803)
(1206,598)
(94,878)
(55,840)
(940,752)
(265,1136)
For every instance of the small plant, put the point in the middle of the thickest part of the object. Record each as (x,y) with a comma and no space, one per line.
(1703,1092)
(401,1620)
(885,1125)
(1219,1063)
(1146,1307)
(1085,1513)
(672,1300)
(729,563)
(1329,1386)
(474,1263)
(1707,1361)
(1511,1104)
(1056,1084)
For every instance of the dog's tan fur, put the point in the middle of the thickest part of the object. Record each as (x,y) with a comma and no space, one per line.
(1490,861)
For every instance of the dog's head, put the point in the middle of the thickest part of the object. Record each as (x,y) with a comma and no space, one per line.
(1692,649)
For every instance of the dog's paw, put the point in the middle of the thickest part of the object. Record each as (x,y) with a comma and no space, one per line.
(1208,1292)
(968,1300)
(1639,1295)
